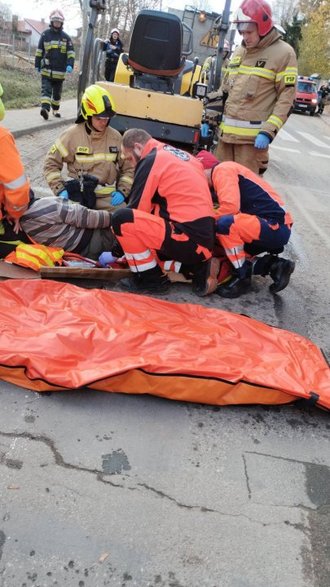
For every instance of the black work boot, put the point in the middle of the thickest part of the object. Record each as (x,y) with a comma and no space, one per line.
(234,287)
(44,113)
(153,281)
(56,114)
(205,277)
(280,272)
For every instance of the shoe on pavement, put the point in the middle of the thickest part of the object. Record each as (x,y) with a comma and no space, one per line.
(234,287)
(153,281)
(44,113)
(280,272)
(205,277)
(56,113)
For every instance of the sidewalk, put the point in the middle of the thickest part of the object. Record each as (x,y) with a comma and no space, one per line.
(22,122)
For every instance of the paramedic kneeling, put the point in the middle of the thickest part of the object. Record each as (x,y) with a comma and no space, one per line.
(251,219)
(169,220)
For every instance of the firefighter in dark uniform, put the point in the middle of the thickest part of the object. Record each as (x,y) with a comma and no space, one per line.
(54,58)
(169,221)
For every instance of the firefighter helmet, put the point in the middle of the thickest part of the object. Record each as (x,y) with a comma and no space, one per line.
(56,14)
(257,11)
(97,102)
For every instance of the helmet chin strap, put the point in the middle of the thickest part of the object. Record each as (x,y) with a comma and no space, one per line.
(91,127)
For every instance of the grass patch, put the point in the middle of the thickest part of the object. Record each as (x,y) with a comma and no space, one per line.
(22,86)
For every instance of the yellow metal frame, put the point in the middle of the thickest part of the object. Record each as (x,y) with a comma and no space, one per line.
(167,108)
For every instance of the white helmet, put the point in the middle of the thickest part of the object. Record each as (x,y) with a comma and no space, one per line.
(115,31)
(56,14)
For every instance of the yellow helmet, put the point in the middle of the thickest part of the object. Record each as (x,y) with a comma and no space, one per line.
(97,102)
(2,108)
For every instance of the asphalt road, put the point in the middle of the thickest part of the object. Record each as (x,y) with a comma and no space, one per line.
(106,489)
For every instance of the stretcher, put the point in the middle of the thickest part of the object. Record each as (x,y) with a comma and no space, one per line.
(57,336)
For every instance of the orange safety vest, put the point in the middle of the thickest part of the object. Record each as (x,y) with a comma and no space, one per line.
(35,256)
(14,185)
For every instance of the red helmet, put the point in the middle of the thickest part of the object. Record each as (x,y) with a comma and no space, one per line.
(257,11)
(56,14)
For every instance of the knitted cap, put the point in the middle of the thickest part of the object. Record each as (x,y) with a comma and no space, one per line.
(207,159)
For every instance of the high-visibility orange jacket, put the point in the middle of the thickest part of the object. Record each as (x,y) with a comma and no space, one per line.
(238,189)
(170,183)
(14,185)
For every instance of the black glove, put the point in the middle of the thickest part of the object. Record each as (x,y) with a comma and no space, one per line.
(89,184)
(116,249)
(74,190)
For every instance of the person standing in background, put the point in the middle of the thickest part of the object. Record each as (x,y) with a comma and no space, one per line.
(113,48)
(54,58)
(258,88)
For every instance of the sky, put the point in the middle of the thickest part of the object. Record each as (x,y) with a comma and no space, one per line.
(32,9)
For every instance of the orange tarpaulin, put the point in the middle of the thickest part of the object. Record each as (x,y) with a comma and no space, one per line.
(58,336)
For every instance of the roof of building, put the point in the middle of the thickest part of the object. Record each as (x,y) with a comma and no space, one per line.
(37,25)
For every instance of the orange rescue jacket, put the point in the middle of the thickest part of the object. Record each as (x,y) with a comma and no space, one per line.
(238,189)
(14,185)
(170,183)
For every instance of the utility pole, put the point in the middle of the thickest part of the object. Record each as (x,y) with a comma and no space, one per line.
(223,29)
(96,7)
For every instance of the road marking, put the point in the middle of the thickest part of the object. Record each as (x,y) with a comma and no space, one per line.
(283,134)
(285,149)
(316,154)
(313,140)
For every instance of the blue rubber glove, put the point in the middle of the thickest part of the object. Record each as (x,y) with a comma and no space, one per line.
(117,198)
(69,69)
(37,69)
(262,141)
(63,194)
(106,259)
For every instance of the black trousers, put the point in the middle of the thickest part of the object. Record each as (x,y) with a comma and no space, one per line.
(51,93)
(110,69)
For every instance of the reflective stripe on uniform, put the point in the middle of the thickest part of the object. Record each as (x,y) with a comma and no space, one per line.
(275,121)
(16,183)
(61,148)
(172,266)
(54,74)
(239,131)
(245,128)
(139,262)
(242,123)
(289,71)
(236,256)
(97,157)
(138,256)
(54,175)
(258,71)
(19,208)
(126,179)
(105,190)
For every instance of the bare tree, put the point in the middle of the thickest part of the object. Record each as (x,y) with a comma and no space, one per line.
(285,10)
(5,11)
